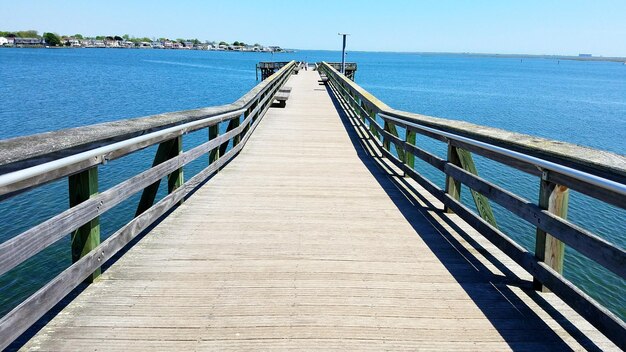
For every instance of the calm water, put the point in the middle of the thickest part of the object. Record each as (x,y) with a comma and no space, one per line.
(578,102)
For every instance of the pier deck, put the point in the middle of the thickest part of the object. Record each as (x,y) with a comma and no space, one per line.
(305,241)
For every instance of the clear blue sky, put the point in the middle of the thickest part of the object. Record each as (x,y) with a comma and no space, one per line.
(495,26)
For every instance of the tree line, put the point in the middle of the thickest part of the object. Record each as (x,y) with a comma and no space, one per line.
(54,39)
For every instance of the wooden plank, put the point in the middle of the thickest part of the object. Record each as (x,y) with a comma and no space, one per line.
(281,96)
(409,156)
(602,194)
(166,150)
(28,312)
(482,204)
(428,157)
(610,325)
(214,154)
(305,248)
(598,162)
(23,316)
(176,178)
(453,187)
(554,198)
(30,242)
(86,238)
(594,247)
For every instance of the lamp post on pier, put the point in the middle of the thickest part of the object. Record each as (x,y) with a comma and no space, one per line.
(343,53)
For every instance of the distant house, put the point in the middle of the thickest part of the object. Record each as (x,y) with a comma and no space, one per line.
(73,42)
(28,41)
(585,55)
(112,43)
(3,41)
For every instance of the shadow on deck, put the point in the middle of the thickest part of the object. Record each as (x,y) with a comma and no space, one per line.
(517,323)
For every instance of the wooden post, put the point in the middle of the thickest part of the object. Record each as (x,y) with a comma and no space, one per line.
(83,186)
(165,151)
(453,187)
(176,178)
(372,115)
(393,130)
(364,108)
(231,125)
(482,202)
(386,127)
(409,158)
(553,198)
(237,138)
(214,154)
(245,116)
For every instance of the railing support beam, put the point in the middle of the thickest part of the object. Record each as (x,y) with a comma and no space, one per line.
(83,186)
(453,187)
(165,151)
(555,199)
(214,154)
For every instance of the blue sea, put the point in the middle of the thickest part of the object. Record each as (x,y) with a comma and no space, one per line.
(573,101)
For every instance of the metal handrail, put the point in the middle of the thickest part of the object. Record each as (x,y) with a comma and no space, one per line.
(33,171)
(540,163)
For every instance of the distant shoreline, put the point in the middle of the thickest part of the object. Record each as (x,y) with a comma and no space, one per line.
(530,56)
(503,56)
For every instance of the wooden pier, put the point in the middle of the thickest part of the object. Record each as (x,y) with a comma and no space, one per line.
(305,233)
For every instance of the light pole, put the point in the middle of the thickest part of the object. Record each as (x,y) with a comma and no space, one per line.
(343,53)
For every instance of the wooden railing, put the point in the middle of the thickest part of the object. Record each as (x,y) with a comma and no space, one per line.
(28,162)
(559,167)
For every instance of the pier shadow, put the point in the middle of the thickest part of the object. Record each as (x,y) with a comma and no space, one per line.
(514,320)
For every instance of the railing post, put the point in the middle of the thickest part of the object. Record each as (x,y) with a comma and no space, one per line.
(83,186)
(245,116)
(372,115)
(363,109)
(410,138)
(386,143)
(214,154)
(453,187)
(553,198)
(463,159)
(409,158)
(176,178)
(236,123)
(231,125)
(166,150)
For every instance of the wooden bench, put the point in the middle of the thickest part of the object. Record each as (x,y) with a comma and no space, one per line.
(282,96)
(323,78)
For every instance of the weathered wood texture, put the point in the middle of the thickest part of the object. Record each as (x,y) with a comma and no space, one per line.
(553,198)
(608,255)
(594,161)
(87,205)
(303,242)
(82,187)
